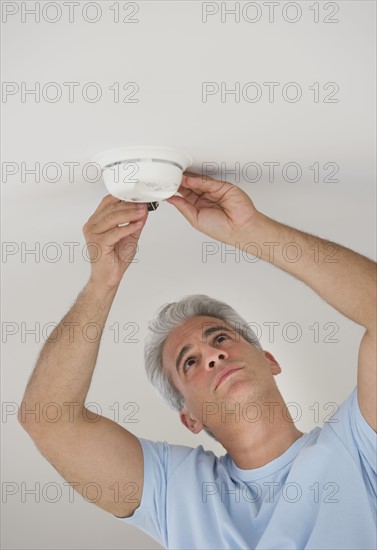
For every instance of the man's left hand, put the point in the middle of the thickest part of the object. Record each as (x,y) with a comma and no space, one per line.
(218,209)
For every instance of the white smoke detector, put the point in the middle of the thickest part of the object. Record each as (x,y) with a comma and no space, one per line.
(142,174)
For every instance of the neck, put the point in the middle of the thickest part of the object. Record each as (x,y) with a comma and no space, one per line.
(264,432)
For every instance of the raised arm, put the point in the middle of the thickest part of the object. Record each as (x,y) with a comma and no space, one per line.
(84,447)
(343,278)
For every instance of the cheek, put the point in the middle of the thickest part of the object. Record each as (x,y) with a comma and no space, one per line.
(200,386)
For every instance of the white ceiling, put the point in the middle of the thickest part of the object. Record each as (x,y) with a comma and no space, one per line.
(169,53)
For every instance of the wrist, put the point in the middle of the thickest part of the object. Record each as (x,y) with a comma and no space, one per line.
(258,236)
(253,231)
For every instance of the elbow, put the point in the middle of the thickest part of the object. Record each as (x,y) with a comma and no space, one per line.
(28,415)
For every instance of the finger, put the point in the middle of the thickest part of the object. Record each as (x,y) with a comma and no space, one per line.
(113,236)
(188,210)
(185,189)
(188,173)
(201,184)
(193,188)
(106,201)
(116,217)
(108,209)
(195,175)
(188,194)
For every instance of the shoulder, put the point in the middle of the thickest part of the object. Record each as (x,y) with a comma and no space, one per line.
(173,456)
(348,427)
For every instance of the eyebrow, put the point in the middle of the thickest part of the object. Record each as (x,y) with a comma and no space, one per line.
(206,333)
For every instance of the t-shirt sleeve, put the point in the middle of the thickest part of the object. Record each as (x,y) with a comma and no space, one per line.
(358,437)
(150,516)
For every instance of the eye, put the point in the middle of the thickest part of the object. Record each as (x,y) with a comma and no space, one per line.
(221,336)
(186,363)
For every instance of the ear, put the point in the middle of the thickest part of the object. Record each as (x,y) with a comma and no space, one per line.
(191,423)
(275,367)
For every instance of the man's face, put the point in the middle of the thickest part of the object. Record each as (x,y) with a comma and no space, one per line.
(198,353)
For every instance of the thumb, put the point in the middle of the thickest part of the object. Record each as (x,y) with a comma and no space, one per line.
(186,209)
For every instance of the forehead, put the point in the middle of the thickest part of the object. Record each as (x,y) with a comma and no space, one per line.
(187,332)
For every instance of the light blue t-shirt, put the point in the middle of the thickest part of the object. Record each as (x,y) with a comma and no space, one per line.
(319,494)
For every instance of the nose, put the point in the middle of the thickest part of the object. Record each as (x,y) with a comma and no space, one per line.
(214,357)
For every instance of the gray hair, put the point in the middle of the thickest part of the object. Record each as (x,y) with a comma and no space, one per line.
(168,318)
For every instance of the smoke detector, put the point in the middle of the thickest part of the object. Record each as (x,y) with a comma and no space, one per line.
(142,174)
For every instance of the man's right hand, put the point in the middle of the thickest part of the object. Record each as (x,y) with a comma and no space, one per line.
(111,248)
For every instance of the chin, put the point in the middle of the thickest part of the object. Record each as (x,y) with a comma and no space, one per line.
(239,392)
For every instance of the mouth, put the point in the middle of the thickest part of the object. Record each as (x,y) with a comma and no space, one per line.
(224,376)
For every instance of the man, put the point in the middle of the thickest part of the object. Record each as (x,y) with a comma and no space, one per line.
(189,498)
